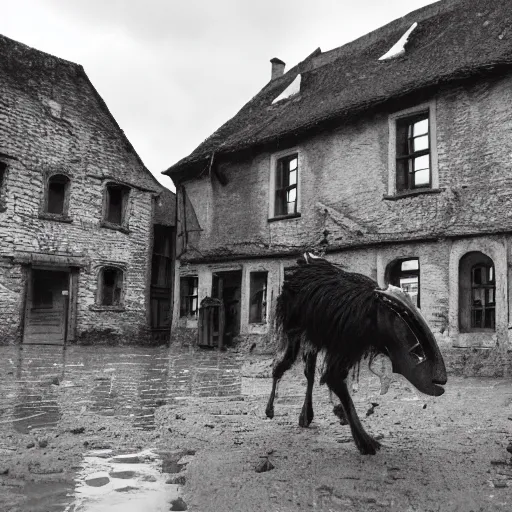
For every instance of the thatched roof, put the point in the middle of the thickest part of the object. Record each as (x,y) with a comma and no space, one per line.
(454,39)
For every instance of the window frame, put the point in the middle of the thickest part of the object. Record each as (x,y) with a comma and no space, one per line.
(125,206)
(264,297)
(100,288)
(393,121)
(276,161)
(195,314)
(395,274)
(64,215)
(484,308)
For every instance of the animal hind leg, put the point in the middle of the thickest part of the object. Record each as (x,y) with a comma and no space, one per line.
(306,415)
(283,362)
(364,442)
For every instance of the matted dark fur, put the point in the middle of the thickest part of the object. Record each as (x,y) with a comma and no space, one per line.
(324,308)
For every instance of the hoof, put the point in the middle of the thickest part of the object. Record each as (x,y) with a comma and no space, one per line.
(305,419)
(269,411)
(368,447)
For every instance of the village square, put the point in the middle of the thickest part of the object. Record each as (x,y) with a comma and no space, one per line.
(358,207)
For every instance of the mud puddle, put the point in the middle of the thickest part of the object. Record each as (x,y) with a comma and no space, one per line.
(129,482)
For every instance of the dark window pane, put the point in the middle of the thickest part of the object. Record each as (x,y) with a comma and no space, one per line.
(57,188)
(116,198)
(112,282)
(188,296)
(258,297)
(489,318)
(477,276)
(56,195)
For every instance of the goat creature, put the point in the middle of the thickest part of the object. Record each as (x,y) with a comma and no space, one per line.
(348,317)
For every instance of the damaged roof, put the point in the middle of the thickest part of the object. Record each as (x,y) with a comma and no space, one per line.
(454,39)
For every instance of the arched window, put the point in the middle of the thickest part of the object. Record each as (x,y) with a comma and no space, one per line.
(57,194)
(405,274)
(110,286)
(477,293)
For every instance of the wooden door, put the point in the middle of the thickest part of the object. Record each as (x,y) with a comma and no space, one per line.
(45,316)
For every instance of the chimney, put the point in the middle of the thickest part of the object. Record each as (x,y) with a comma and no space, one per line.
(277,68)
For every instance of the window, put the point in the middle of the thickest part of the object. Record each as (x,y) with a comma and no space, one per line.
(57,194)
(188,296)
(477,293)
(413,152)
(406,275)
(258,298)
(413,167)
(116,203)
(161,267)
(111,286)
(286,178)
(483,302)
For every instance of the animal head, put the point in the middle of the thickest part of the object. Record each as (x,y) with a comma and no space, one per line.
(409,342)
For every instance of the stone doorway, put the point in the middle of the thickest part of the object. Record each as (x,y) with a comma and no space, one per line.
(47,307)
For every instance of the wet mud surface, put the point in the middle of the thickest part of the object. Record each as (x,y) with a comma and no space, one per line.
(105,429)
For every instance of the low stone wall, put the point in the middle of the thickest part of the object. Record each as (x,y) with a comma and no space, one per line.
(476,362)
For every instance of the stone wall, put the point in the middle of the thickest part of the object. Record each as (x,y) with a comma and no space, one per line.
(343,178)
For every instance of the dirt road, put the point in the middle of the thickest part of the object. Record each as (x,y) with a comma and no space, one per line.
(206,433)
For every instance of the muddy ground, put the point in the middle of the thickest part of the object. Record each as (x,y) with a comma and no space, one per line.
(202,449)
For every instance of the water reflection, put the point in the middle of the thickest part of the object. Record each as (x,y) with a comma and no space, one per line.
(38,372)
(128,382)
(124,483)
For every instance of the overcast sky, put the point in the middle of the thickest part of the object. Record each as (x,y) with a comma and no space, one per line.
(172,72)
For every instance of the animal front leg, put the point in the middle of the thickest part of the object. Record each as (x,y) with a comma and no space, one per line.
(306,415)
(364,442)
(283,362)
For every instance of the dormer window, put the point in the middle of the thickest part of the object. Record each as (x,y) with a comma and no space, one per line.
(291,90)
(116,203)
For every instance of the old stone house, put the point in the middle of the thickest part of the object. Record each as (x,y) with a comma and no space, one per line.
(393,153)
(78,209)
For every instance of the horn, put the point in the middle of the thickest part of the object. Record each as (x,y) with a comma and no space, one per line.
(396,300)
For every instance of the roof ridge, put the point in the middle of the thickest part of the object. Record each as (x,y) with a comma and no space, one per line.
(365,41)
(26,48)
